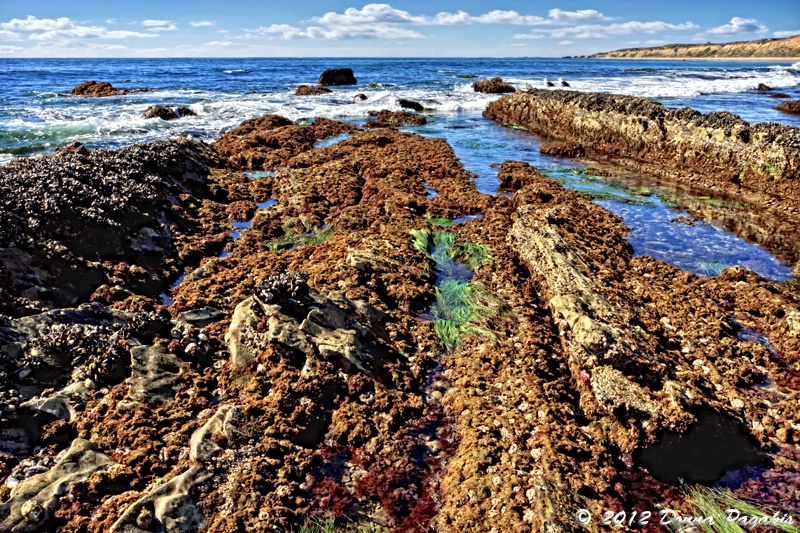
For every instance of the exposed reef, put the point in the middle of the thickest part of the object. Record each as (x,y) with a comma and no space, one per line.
(298,371)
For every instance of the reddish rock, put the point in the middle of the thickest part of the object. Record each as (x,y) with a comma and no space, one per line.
(791,106)
(92,88)
(387,119)
(514,175)
(271,140)
(311,90)
(493,86)
(563,149)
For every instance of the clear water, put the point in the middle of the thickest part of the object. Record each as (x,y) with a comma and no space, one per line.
(36,116)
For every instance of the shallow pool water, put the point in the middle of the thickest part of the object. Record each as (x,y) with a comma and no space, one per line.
(702,247)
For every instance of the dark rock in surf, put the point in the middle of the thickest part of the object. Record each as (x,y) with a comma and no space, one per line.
(311,90)
(337,76)
(763,88)
(168,113)
(410,104)
(360,97)
(493,86)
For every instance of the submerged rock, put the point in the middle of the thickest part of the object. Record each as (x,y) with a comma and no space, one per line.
(493,86)
(337,76)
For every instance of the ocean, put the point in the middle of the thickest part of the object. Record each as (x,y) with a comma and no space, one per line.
(37,116)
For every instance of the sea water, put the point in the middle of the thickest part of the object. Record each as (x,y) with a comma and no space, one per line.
(37,115)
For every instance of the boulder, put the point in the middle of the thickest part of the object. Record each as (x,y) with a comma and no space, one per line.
(763,88)
(309,90)
(337,76)
(72,148)
(92,88)
(779,95)
(790,106)
(563,149)
(359,97)
(168,113)
(492,86)
(410,104)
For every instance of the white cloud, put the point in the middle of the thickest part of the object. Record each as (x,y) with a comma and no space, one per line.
(600,31)
(498,16)
(159,25)
(369,14)
(784,34)
(216,44)
(65,29)
(738,25)
(373,21)
(6,35)
(8,50)
(202,23)
(572,16)
(32,23)
(565,43)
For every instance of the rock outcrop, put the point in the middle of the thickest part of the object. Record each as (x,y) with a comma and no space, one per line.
(791,106)
(493,86)
(783,48)
(103,88)
(270,140)
(393,119)
(410,104)
(715,150)
(168,113)
(62,217)
(337,76)
(311,90)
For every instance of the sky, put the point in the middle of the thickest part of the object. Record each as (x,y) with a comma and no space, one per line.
(334,28)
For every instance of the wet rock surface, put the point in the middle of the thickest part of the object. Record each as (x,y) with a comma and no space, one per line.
(168,113)
(791,106)
(311,90)
(103,88)
(293,376)
(493,86)
(718,152)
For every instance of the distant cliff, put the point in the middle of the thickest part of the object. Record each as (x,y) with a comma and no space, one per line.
(787,48)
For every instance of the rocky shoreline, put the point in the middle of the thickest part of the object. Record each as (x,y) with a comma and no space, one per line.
(340,348)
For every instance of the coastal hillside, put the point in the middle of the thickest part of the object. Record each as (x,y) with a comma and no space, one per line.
(787,48)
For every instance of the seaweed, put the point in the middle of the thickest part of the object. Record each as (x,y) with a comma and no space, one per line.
(714,506)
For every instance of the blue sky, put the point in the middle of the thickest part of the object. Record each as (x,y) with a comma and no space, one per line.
(206,28)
